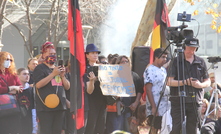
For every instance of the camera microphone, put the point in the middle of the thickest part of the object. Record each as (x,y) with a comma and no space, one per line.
(172,28)
(183,26)
(176,28)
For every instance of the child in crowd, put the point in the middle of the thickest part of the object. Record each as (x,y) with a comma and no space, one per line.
(26,101)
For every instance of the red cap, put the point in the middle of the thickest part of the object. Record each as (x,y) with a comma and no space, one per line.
(46,45)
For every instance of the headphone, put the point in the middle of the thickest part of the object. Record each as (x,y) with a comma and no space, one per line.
(184,47)
(192,42)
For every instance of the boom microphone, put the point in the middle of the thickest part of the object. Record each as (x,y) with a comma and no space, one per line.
(176,28)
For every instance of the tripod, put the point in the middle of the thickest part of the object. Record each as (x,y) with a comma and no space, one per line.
(214,94)
(184,95)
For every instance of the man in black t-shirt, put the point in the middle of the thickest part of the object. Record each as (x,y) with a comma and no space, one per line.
(191,82)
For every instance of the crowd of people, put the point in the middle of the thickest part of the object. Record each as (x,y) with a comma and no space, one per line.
(42,92)
(174,95)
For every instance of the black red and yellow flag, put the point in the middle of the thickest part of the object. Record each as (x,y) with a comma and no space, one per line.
(77,59)
(161,22)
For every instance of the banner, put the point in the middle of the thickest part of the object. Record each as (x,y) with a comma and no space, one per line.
(116,80)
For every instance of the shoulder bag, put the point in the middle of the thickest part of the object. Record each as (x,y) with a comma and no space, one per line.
(51,100)
(8,104)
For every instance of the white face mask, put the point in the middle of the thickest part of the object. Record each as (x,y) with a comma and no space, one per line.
(7,63)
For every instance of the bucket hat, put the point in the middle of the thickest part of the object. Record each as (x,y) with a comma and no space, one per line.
(92,48)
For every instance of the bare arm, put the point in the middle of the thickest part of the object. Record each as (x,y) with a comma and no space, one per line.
(90,83)
(133,106)
(14,89)
(189,82)
(175,83)
(90,87)
(40,59)
(150,97)
(44,81)
(204,84)
(68,103)
(65,82)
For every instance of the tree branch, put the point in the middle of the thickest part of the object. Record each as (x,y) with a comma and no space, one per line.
(22,35)
(2,7)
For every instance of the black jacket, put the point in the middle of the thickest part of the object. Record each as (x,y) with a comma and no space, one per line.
(213,127)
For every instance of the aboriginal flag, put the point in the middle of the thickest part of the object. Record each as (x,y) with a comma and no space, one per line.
(161,22)
(77,59)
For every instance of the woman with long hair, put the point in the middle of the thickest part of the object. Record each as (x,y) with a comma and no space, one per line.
(9,83)
(204,108)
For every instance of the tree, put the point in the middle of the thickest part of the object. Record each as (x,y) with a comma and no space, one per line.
(56,26)
(27,42)
(93,13)
(57,21)
(2,12)
(213,9)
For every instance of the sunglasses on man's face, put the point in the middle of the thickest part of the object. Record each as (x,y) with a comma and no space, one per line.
(9,59)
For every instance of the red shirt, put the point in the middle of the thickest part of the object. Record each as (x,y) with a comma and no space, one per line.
(12,80)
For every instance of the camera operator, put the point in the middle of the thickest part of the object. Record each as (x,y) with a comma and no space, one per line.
(195,78)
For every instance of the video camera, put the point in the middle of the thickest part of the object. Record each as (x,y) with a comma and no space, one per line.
(179,33)
(214,59)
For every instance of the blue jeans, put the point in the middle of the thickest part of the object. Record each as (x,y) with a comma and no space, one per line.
(117,122)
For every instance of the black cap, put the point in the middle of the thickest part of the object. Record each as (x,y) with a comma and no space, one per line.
(192,42)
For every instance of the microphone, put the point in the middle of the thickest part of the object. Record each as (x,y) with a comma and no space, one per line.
(183,26)
(176,28)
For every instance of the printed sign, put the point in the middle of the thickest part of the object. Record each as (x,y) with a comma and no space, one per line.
(116,80)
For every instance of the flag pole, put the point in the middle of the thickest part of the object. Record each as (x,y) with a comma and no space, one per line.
(77,65)
(73,2)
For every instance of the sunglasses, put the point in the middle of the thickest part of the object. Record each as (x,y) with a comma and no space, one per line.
(126,61)
(9,59)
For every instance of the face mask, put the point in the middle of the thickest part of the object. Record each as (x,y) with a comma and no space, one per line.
(51,59)
(7,63)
